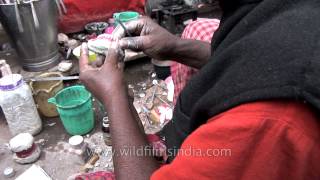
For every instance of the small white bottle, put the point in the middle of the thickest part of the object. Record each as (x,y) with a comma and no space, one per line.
(18,105)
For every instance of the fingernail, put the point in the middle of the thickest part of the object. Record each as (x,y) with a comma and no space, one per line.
(84,48)
(121,43)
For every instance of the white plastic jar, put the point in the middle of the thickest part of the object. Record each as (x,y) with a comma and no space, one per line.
(18,105)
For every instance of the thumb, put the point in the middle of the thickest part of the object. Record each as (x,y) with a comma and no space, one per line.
(134,43)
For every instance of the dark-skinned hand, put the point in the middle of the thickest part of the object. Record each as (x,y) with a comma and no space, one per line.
(106,80)
(152,39)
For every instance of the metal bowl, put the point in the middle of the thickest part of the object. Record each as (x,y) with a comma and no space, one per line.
(96,27)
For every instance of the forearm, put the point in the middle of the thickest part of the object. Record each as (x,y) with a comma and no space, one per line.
(136,117)
(193,53)
(127,137)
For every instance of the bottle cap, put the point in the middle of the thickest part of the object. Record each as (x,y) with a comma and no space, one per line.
(9,172)
(76,141)
(10,82)
(105,120)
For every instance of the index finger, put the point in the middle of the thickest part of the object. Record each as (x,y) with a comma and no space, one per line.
(134,26)
(84,57)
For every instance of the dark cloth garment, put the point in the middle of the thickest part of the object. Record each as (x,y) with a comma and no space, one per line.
(264,49)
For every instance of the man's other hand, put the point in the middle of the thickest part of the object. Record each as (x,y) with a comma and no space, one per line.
(149,37)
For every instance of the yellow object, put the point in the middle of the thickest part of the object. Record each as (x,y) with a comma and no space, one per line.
(154,117)
(92,55)
(44,90)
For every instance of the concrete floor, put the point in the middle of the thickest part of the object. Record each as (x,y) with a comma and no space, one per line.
(55,158)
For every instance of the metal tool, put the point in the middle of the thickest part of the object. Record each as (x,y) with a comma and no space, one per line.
(33,12)
(18,18)
(34,15)
(150,103)
(59,7)
(164,101)
(63,6)
(69,52)
(124,28)
(39,79)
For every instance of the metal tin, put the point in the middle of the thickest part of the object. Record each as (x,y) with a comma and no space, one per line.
(35,43)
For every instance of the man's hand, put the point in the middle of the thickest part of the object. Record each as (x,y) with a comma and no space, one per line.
(106,80)
(151,38)
(158,43)
(107,84)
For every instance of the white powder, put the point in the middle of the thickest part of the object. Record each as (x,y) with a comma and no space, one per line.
(21,142)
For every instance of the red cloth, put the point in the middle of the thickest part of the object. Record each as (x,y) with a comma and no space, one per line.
(81,12)
(202,30)
(100,175)
(267,140)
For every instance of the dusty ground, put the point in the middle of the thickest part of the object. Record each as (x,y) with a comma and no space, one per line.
(55,158)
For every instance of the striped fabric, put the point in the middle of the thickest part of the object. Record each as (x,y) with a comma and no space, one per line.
(202,30)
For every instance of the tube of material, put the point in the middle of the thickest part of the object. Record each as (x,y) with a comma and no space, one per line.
(90,163)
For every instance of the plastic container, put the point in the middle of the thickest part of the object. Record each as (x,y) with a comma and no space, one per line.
(125,16)
(77,52)
(44,90)
(74,105)
(106,131)
(18,105)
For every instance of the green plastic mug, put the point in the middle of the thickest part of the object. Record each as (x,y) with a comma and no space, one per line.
(74,105)
(125,16)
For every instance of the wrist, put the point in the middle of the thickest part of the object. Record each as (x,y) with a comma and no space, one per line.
(201,52)
(173,46)
(117,93)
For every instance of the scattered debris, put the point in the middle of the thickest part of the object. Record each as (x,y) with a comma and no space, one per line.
(62,38)
(90,164)
(6,47)
(98,150)
(9,172)
(130,86)
(96,143)
(95,175)
(65,66)
(155,82)
(51,124)
(81,37)
(170,87)
(149,96)
(154,75)
(40,141)
(142,95)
